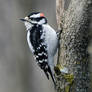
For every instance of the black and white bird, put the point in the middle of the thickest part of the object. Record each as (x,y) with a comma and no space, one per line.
(42,40)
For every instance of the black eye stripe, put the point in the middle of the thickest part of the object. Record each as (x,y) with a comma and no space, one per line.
(36,19)
(32,18)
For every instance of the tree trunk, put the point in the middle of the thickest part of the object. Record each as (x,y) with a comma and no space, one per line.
(73,63)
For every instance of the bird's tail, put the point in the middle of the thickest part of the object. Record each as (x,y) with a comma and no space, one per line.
(47,72)
(52,75)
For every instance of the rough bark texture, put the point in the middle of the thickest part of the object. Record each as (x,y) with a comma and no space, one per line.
(74,21)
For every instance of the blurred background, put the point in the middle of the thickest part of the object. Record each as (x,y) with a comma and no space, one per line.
(18,70)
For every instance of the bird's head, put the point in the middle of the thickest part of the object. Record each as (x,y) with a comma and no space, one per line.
(34,18)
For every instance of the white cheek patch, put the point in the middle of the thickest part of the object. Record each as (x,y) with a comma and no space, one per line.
(35,15)
(34,22)
(41,21)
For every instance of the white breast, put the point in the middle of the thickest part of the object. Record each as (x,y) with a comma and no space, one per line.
(28,25)
(29,43)
(51,39)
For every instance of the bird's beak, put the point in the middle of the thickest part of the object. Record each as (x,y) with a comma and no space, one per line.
(24,19)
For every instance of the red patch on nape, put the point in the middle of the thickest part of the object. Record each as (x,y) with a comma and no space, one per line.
(41,15)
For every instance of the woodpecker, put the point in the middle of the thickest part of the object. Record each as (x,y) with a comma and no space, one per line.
(42,40)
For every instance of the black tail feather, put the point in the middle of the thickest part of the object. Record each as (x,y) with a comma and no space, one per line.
(52,76)
(46,73)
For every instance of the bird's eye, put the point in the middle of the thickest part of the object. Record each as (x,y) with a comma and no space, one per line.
(32,19)
(38,19)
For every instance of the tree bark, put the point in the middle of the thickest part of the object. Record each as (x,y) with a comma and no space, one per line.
(73,62)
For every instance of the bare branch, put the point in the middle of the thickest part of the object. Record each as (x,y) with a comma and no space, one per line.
(74,58)
(59,12)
